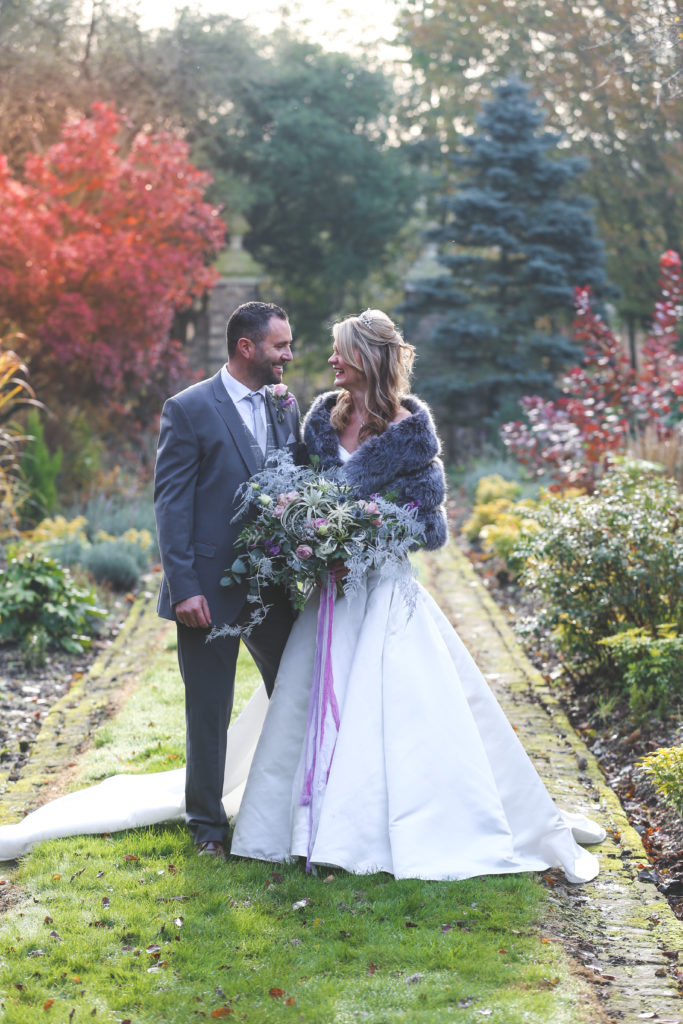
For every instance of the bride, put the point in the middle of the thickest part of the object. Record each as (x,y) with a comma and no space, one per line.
(423,775)
(415,769)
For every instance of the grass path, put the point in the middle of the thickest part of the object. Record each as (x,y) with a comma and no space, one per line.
(135,927)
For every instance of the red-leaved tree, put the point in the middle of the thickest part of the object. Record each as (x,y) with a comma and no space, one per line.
(603,400)
(100,244)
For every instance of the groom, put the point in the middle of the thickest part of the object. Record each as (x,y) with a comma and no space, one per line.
(214,436)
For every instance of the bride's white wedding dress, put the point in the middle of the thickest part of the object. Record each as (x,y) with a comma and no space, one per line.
(427,777)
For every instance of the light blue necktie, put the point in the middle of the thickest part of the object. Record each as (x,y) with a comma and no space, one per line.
(259,426)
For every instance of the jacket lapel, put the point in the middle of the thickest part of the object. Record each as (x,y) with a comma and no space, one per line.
(234,423)
(281,431)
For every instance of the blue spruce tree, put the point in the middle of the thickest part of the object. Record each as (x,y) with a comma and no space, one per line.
(515,240)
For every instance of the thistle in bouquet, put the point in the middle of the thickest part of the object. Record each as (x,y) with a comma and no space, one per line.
(302,524)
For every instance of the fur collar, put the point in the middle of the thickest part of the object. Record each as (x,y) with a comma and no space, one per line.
(404,448)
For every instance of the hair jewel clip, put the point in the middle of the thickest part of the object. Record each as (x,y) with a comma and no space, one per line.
(365,319)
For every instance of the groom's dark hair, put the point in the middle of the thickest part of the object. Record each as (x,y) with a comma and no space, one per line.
(251,320)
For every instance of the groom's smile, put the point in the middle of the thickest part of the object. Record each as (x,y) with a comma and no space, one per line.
(274,352)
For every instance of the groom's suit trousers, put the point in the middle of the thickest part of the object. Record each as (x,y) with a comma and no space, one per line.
(208,672)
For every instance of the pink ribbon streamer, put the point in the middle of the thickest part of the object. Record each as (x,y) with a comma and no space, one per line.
(323,718)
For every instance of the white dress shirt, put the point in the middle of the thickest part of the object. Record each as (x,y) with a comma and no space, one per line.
(240,395)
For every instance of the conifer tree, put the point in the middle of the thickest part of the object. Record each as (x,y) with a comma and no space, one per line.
(515,240)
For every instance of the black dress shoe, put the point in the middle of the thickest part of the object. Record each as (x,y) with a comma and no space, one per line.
(212,848)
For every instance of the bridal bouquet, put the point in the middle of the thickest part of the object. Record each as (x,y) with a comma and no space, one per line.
(303,524)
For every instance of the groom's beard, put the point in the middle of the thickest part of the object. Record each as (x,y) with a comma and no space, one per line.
(267,372)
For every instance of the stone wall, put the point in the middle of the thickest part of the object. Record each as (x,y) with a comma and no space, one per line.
(205,340)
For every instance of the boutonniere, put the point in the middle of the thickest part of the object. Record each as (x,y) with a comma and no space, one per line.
(282,398)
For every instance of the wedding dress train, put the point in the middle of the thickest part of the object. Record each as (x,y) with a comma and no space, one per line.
(424,777)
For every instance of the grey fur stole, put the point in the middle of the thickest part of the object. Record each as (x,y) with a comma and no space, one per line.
(403,460)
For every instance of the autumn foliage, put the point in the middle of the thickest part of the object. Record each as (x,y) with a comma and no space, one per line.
(100,244)
(604,400)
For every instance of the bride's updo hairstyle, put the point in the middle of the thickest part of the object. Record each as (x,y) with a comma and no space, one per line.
(371,344)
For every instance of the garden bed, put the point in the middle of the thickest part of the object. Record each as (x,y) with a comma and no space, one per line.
(609,733)
(27,692)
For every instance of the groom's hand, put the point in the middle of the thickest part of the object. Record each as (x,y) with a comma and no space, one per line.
(194,612)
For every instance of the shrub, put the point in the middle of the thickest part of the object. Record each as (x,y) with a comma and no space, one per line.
(495,486)
(604,401)
(606,562)
(114,562)
(14,392)
(505,534)
(665,765)
(493,496)
(39,469)
(38,594)
(651,668)
(116,515)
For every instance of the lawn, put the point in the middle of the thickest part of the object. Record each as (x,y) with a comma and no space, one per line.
(135,927)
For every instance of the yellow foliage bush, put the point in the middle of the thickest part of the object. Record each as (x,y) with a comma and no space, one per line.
(492,487)
(142,538)
(503,535)
(58,528)
(484,515)
(666,768)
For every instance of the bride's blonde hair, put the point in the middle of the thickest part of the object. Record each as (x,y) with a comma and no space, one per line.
(371,344)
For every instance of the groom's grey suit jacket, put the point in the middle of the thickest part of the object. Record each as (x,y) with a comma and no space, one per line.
(204,454)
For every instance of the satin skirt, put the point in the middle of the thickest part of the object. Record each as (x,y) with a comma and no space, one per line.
(428,779)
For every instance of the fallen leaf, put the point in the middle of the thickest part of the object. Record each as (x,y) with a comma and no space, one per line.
(276,877)
(411,924)
(290,1001)
(372,968)
(412,978)
(48,919)
(330,878)
(55,935)
(130,856)
(105,901)
(47,1004)
(300,904)
(100,874)
(222,1011)
(77,979)
(446,927)
(276,993)
(172,869)
(76,874)
(153,948)
(56,877)
(178,922)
